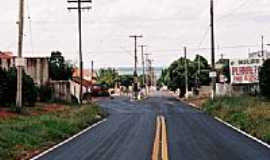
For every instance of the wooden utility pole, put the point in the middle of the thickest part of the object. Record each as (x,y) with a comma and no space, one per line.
(186,71)
(213,49)
(147,74)
(135,80)
(143,64)
(80,8)
(20,66)
(262,47)
(92,70)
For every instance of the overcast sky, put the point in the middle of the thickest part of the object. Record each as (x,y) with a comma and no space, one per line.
(167,26)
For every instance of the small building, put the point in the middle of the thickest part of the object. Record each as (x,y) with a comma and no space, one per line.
(36,67)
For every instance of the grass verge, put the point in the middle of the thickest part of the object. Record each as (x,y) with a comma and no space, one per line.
(21,136)
(247,113)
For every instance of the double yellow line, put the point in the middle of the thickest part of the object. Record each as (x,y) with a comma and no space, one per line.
(160,147)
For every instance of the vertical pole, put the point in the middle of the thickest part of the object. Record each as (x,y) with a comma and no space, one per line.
(92,70)
(135,83)
(213,48)
(20,48)
(135,70)
(80,49)
(142,50)
(186,71)
(262,47)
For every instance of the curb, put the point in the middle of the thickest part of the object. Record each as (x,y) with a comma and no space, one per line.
(243,132)
(67,140)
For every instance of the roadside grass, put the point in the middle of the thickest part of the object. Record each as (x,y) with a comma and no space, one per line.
(250,114)
(22,136)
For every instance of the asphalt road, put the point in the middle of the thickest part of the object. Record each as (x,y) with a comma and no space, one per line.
(129,132)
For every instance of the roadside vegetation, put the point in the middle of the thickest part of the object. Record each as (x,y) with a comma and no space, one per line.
(250,114)
(174,75)
(24,135)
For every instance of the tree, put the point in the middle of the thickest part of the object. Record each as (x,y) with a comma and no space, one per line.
(125,80)
(174,76)
(107,77)
(265,78)
(58,68)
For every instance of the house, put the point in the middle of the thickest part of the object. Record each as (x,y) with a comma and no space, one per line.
(87,75)
(6,60)
(36,67)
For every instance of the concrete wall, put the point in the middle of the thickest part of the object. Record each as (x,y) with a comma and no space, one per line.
(61,90)
(75,89)
(38,69)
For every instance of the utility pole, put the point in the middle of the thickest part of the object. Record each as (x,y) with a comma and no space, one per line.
(80,8)
(213,49)
(262,47)
(186,71)
(143,64)
(148,70)
(20,66)
(198,72)
(135,80)
(92,70)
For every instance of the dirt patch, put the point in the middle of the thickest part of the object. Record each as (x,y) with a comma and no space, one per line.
(46,108)
(4,113)
(197,101)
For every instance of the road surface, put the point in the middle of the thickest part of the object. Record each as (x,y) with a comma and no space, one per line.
(131,129)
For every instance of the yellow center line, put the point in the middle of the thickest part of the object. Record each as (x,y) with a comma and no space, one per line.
(164,140)
(160,146)
(156,147)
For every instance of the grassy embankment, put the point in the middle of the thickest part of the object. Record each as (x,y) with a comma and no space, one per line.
(247,113)
(21,136)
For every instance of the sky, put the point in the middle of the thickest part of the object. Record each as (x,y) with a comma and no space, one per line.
(166,25)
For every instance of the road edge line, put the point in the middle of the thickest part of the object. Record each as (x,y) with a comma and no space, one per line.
(243,132)
(67,140)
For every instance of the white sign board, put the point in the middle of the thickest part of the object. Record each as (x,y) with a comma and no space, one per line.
(20,62)
(245,71)
(213,74)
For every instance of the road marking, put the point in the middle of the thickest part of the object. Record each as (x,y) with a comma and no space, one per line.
(160,147)
(68,140)
(164,140)
(156,147)
(243,132)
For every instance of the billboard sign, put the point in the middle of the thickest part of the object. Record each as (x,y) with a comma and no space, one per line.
(245,71)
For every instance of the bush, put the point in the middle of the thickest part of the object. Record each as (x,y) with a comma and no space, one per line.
(8,88)
(265,79)
(45,93)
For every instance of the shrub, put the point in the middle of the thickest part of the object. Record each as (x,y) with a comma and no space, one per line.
(8,88)
(265,78)
(45,93)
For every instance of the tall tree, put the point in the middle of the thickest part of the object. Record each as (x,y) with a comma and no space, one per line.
(59,69)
